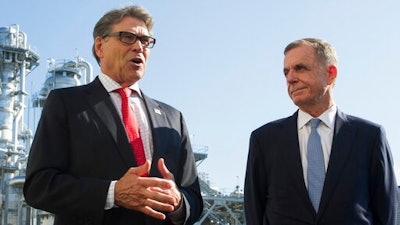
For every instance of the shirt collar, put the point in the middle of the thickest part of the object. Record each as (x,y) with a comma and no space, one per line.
(328,117)
(110,85)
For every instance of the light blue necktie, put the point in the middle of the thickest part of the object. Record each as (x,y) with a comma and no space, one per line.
(316,167)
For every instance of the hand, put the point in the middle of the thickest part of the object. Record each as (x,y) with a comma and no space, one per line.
(149,195)
(173,191)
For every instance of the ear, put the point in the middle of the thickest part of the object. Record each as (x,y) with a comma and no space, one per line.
(98,46)
(332,73)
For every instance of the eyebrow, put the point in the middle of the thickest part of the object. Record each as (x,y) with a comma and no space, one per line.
(297,67)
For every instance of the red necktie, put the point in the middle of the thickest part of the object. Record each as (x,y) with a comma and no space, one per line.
(131,126)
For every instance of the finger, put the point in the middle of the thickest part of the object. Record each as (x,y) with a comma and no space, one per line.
(138,196)
(153,213)
(160,205)
(164,170)
(161,190)
(159,195)
(156,182)
(172,195)
(141,170)
(173,192)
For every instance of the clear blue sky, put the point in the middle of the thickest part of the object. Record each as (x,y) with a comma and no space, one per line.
(220,62)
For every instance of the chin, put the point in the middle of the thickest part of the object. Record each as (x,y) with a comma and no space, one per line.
(297,101)
(137,76)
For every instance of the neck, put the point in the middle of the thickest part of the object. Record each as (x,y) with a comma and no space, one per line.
(317,110)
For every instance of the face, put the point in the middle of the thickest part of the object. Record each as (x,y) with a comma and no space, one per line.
(309,82)
(124,63)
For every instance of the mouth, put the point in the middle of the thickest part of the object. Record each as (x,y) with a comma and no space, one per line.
(137,61)
(294,90)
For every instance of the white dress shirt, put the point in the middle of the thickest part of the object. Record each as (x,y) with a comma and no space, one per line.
(325,131)
(137,104)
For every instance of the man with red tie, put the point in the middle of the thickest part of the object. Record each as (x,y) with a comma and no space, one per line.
(105,153)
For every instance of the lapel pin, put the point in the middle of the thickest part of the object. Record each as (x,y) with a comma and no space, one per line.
(158,111)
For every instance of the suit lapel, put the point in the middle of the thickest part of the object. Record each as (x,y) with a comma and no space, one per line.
(157,119)
(294,158)
(341,148)
(101,102)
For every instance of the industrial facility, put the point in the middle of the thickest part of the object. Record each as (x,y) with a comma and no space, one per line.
(17,61)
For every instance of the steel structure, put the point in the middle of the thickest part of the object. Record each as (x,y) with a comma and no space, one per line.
(219,208)
(17,60)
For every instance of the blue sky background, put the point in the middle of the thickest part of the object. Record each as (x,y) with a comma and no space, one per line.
(220,62)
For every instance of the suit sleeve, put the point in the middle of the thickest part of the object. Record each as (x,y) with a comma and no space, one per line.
(189,184)
(383,183)
(172,143)
(49,185)
(255,189)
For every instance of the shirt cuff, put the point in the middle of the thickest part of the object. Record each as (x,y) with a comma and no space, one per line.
(110,196)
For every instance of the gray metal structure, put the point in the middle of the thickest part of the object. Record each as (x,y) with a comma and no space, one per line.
(219,208)
(17,60)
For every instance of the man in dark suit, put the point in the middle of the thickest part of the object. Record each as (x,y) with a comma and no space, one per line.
(81,165)
(357,183)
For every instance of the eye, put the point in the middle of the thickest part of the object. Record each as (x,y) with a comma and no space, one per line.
(128,37)
(300,68)
(145,40)
(285,72)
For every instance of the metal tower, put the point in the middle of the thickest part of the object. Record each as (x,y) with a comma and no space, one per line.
(17,60)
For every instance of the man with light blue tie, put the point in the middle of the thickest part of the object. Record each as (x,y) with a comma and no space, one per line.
(319,165)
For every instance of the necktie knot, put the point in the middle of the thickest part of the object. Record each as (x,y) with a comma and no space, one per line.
(124,92)
(314,123)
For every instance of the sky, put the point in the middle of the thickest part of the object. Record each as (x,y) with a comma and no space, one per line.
(220,62)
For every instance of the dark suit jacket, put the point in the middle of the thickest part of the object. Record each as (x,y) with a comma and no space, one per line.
(360,186)
(80,146)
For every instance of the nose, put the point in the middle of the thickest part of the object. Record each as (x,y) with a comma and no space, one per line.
(137,46)
(291,76)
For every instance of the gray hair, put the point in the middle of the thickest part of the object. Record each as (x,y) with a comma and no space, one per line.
(325,51)
(104,26)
